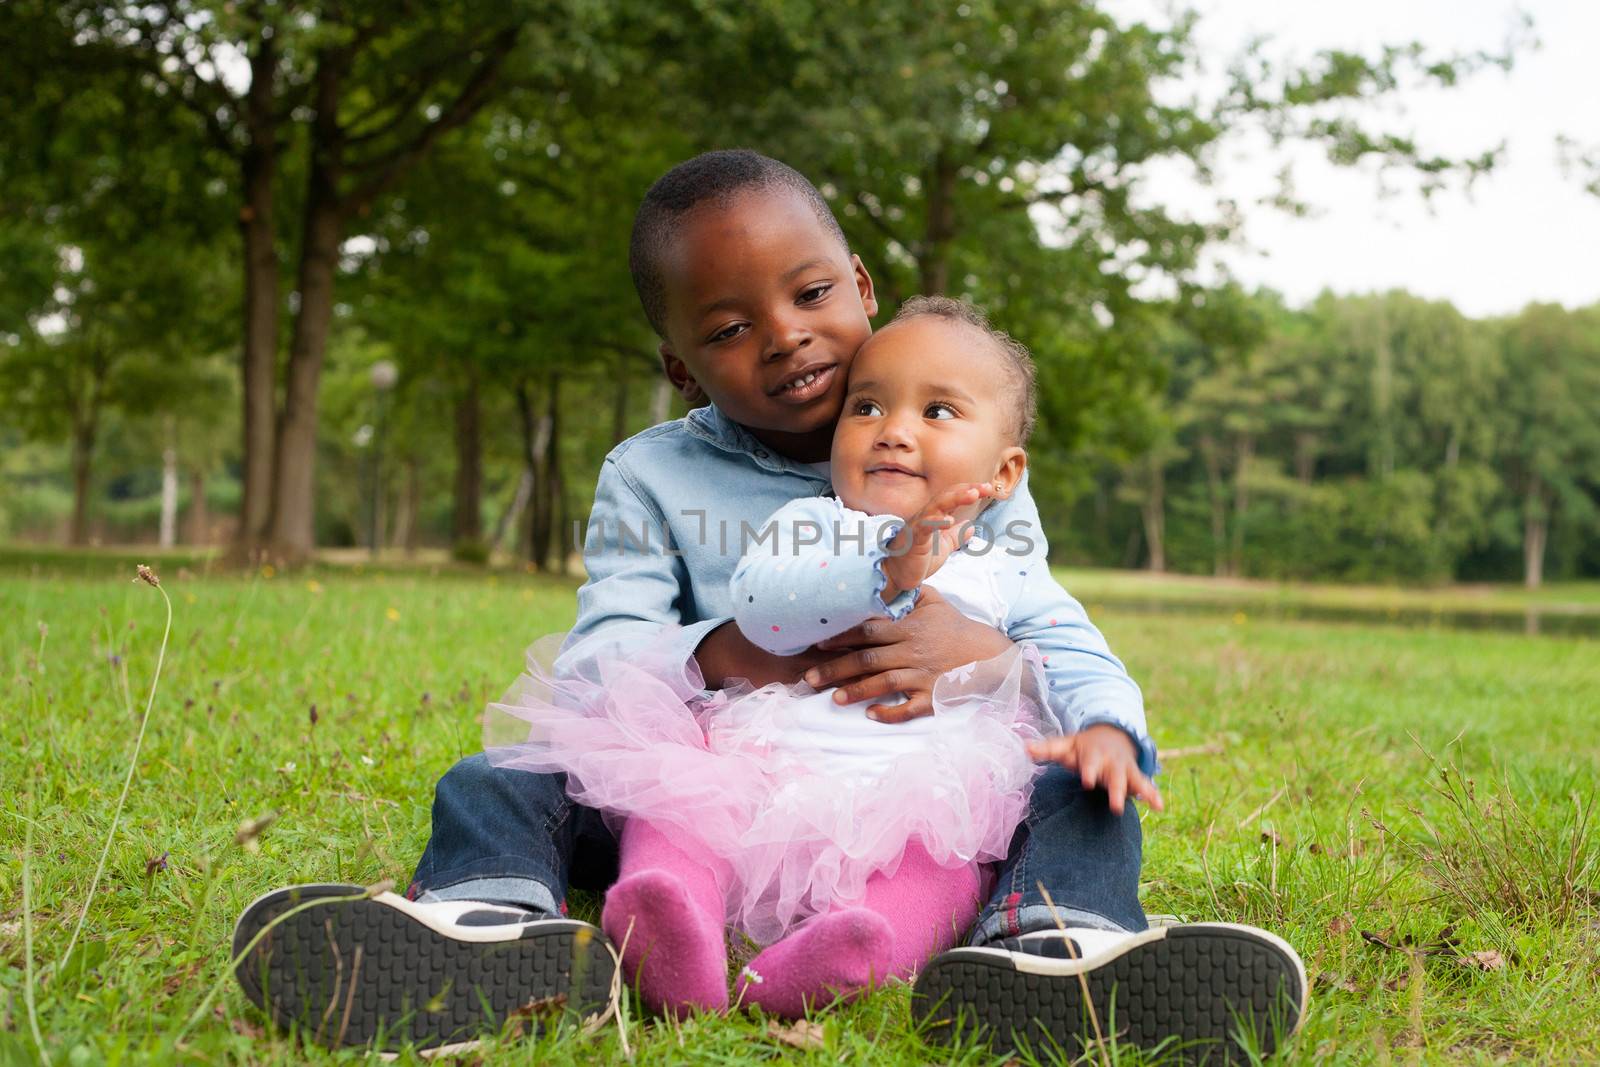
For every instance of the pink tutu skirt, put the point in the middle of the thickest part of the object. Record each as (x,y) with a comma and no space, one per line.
(803,798)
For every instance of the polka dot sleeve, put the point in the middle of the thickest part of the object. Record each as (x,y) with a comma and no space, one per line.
(812,571)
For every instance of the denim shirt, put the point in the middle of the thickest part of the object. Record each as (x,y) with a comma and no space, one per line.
(677,506)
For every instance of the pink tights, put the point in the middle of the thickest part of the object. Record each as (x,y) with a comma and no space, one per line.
(666,913)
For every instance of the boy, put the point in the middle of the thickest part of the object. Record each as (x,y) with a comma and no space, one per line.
(744,273)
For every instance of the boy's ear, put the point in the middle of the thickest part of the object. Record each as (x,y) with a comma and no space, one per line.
(869,298)
(1013,461)
(677,372)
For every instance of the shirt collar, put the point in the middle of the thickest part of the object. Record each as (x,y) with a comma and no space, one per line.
(712,426)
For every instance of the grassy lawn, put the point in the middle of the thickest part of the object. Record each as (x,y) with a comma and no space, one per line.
(1134,586)
(1301,797)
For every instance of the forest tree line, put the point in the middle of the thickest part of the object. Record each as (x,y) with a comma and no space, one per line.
(220,216)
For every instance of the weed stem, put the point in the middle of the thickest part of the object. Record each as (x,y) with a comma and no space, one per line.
(27,932)
(127,781)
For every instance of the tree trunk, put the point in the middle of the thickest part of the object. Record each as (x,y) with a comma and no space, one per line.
(1102,514)
(1154,512)
(541,539)
(933,259)
(405,525)
(1241,504)
(508,518)
(169,485)
(619,403)
(258,165)
(83,440)
(294,472)
(661,401)
(1535,532)
(1130,551)
(1383,401)
(467,520)
(534,438)
(1305,457)
(557,482)
(294,482)
(1219,515)
(380,483)
(199,519)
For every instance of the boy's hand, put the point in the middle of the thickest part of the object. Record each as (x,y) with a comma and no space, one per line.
(1104,756)
(928,538)
(905,656)
(726,653)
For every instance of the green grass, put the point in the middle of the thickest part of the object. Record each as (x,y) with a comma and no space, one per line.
(1290,744)
(1134,586)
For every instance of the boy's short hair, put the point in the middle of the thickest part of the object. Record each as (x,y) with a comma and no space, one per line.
(1021,377)
(714,177)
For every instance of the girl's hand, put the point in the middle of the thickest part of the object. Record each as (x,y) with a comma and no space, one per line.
(929,536)
(1104,756)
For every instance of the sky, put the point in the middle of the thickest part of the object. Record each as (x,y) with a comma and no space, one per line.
(1526,232)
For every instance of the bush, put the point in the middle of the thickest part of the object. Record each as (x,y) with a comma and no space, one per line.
(1347,530)
(39,510)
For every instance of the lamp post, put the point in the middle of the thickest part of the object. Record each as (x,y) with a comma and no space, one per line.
(383,376)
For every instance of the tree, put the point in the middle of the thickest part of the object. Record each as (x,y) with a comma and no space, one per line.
(369,90)
(1421,383)
(1550,447)
(115,332)
(996,149)
(1354,437)
(112,253)
(505,283)
(1209,345)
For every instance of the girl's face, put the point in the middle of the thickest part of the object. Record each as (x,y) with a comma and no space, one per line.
(926,410)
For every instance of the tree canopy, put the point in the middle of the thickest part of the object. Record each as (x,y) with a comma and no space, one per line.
(307,187)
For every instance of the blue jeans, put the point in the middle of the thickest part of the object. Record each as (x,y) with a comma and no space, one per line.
(513,837)
(1086,858)
(516,837)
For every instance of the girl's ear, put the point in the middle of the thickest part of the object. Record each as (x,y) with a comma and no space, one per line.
(677,372)
(869,298)
(1013,461)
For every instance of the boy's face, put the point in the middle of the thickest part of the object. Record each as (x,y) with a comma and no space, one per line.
(927,410)
(764,312)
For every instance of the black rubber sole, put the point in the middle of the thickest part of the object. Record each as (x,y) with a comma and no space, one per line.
(1187,995)
(357,973)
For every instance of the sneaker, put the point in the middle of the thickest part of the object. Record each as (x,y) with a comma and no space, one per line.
(392,972)
(1207,992)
